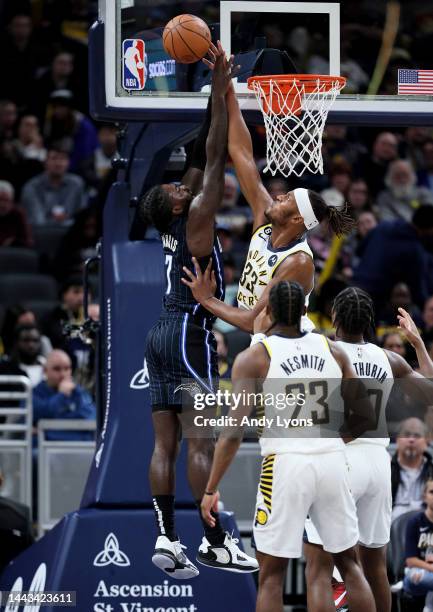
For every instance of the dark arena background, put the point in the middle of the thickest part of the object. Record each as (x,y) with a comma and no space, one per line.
(83,276)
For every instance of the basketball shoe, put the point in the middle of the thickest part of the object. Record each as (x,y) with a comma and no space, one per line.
(340,599)
(227,556)
(171,559)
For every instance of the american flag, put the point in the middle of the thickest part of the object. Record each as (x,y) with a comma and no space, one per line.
(415,82)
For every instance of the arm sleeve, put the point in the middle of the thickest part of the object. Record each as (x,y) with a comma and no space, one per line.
(198,157)
(412,532)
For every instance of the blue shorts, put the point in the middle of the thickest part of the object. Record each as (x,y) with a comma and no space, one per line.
(180,353)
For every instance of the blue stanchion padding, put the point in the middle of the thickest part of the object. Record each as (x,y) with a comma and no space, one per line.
(105,557)
(134,280)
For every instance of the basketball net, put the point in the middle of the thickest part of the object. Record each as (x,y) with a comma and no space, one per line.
(295,109)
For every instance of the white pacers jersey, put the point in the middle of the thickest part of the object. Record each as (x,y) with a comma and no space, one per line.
(370,361)
(303,367)
(261,265)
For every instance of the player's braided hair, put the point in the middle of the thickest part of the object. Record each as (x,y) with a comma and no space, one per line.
(340,219)
(155,208)
(353,311)
(287,300)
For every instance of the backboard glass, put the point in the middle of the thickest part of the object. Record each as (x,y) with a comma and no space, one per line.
(364,40)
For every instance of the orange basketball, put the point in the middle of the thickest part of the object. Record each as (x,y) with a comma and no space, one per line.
(186,38)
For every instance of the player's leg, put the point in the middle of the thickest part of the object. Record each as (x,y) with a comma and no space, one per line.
(373,561)
(334,515)
(168,554)
(318,573)
(162,470)
(200,454)
(359,595)
(218,549)
(271,583)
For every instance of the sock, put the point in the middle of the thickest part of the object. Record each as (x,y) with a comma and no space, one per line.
(164,513)
(215,535)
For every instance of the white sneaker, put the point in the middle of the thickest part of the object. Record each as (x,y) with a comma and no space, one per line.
(228,557)
(171,559)
(428,602)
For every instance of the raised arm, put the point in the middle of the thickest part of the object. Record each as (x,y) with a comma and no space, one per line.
(196,164)
(241,151)
(298,267)
(201,215)
(409,329)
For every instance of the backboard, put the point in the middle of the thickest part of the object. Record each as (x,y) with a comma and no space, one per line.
(365,41)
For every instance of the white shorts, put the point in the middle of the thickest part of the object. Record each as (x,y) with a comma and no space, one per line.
(294,485)
(370,483)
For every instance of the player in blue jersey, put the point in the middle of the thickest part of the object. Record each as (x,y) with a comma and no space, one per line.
(181,346)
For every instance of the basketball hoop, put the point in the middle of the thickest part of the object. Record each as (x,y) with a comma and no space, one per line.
(295,108)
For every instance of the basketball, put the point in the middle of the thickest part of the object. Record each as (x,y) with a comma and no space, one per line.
(186,38)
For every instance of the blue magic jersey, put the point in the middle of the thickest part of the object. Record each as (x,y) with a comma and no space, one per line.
(178,297)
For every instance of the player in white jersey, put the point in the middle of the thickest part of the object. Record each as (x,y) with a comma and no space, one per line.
(278,249)
(301,474)
(369,460)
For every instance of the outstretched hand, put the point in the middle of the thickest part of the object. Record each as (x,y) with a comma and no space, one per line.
(407,325)
(222,68)
(202,285)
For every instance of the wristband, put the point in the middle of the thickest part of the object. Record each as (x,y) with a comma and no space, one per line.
(257,338)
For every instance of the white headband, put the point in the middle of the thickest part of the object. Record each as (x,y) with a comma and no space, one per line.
(305,208)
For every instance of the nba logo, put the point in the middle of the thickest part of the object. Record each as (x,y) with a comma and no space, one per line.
(134,70)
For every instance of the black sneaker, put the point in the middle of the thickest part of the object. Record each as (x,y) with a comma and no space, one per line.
(227,556)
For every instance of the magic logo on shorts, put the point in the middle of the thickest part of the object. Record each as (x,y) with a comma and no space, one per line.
(134,64)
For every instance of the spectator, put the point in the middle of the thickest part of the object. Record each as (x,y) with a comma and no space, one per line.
(78,243)
(14,228)
(70,310)
(224,367)
(400,297)
(15,316)
(96,168)
(71,129)
(231,290)
(321,312)
(27,152)
(425,176)
(414,139)
(8,119)
(402,195)
(25,358)
(230,214)
(375,165)
(354,245)
(59,397)
(23,57)
(411,467)
(358,196)
(366,222)
(58,76)
(54,196)
(340,178)
(397,251)
(418,580)
(395,343)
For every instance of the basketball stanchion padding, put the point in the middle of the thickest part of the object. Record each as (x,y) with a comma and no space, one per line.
(295,108)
